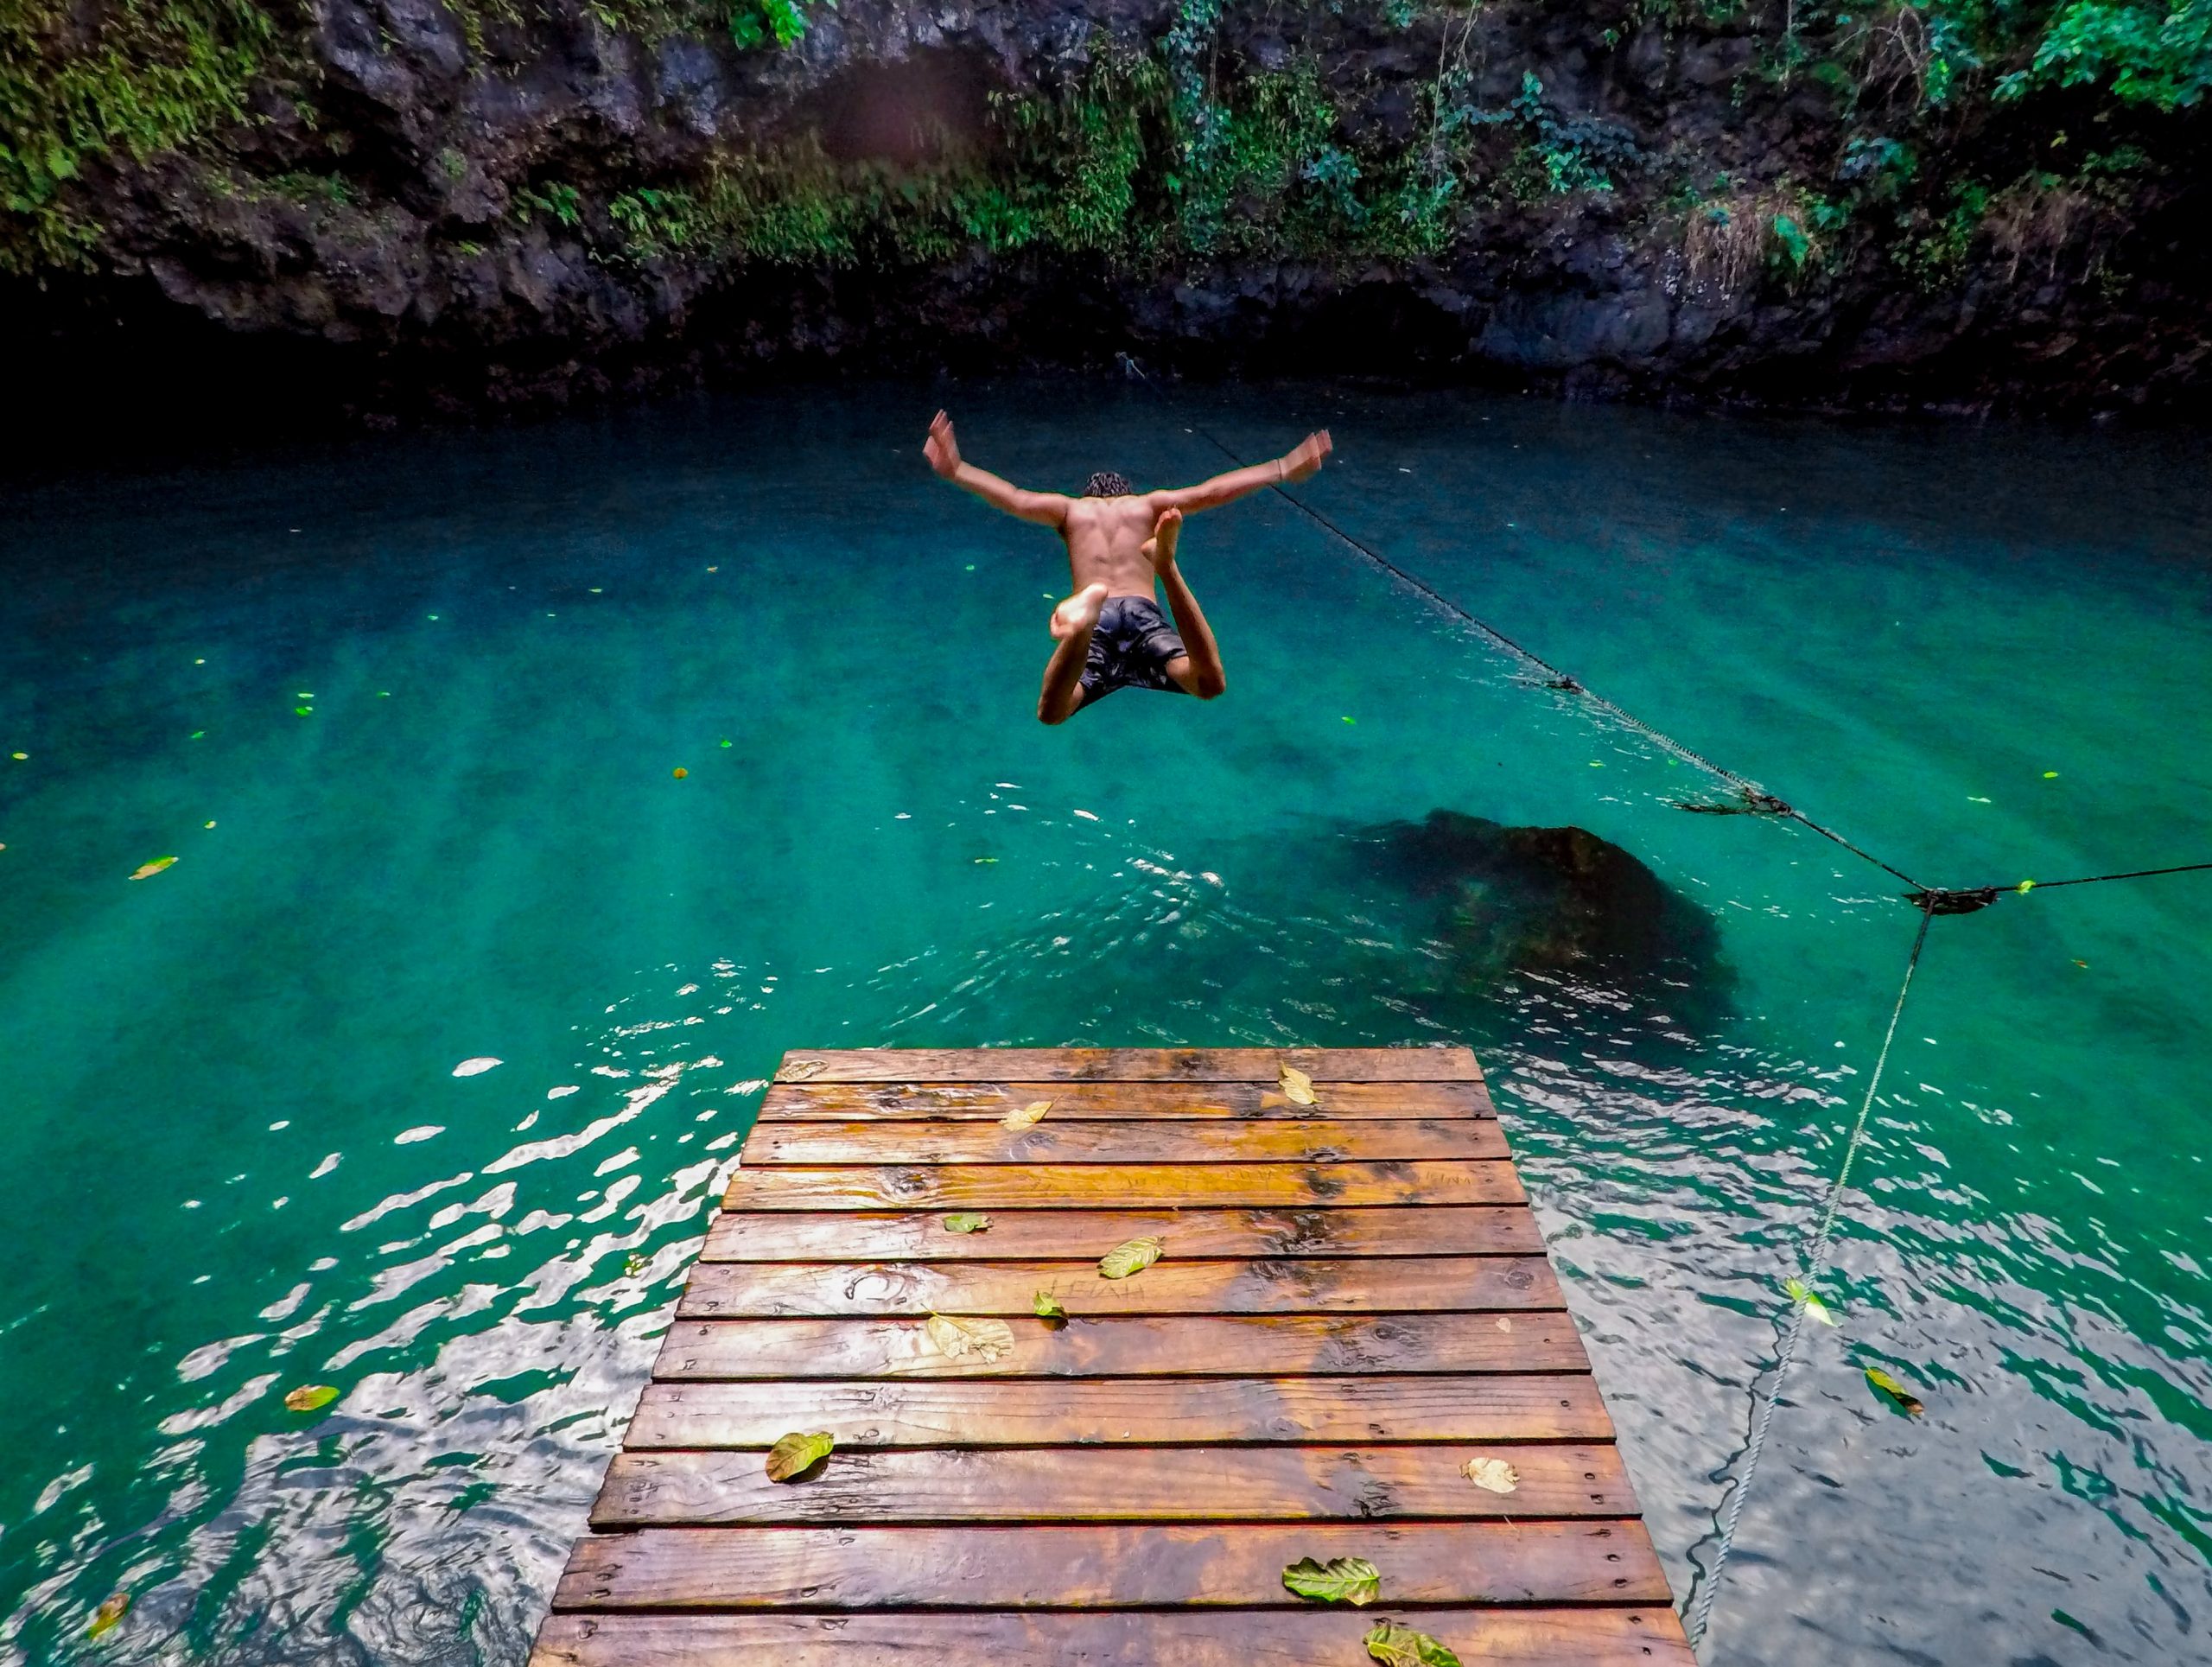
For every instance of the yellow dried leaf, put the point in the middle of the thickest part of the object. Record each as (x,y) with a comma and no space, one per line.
(1495,1474)
(957,1340)
(147,870)
(798,1452)
(1297,1086)
(310,1397)
(111,1610)
(1132,1256)
(1027,1117)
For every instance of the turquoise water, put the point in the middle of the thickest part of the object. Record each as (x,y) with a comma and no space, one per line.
(243,1162)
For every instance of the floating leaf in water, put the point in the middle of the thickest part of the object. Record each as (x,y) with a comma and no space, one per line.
(1027,1116)
(2025,886)
(303,710)
(2050,775)
(728,742)
(146,870)
(475,1067)
(310,1397)
(1401,1646)
(680,773)
(1341,1579)
(985,862)
(966,1221)
(1297,1086)
(1495,1474)
(1130,1256)
(1047,1306)
(796,1453)
(1798,1291)
(111,1610)
(956,1339)
(632,1265)
(1904,1398)
(799,1070)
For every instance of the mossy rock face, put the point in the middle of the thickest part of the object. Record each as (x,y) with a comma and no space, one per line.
(1545,899)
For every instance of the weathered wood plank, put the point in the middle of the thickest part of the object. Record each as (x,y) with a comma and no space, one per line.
(1050,1142)
(1131,1186)
(999,1065)
(1009,1485)
(1019,1412)
(1646,1635)
(827,1102)
(1206,1346)
(1040,1235)
(1104,1568)
(728,1290)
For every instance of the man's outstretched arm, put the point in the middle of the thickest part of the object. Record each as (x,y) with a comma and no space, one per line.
(1302,463)
(1046,508)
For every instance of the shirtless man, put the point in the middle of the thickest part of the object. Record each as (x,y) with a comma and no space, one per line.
(1111,631)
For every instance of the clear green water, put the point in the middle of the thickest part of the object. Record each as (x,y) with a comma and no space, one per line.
(240,1161)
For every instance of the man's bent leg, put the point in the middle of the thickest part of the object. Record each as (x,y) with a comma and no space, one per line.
(1073,620)
(1199,671)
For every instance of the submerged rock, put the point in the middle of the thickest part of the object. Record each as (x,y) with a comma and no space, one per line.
(1544,899)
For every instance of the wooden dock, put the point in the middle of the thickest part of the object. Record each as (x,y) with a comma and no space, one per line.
(1351,1303)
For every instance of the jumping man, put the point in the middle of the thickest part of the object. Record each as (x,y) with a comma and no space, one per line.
(1111,631)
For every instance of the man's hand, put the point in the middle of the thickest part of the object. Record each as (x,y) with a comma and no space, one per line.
(943,450)
(1302,462)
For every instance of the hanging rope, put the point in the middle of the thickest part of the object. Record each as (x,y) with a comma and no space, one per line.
(1754,799)
(1815,1264)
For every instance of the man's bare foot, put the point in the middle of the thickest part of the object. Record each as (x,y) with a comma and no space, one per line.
(1159,548)
(1080,611)
(1304,460)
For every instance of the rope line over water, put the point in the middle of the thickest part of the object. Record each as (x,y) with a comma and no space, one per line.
(1815,1264)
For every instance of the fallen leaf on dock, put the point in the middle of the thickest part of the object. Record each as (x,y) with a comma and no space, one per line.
(310,1397)
(1297,1086)
(798,1452)
(111,1610)
(1904,1398)
(1341,1579)
(966,1221)
(1047,1306)
(1401,1646)
(148,869)
(1130,1256)
(956,1339)
(1027,1116)
(1495,1474)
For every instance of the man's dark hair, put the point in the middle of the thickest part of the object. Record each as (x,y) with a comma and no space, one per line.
(1107,484)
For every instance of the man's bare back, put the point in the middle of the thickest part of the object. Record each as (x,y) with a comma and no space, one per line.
(1119,542)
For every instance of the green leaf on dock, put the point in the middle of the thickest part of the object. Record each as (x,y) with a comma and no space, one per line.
(1047,1306)
(1341,1579)
(1798,1291)
(799,1453)
(1130,1256)
(1905,1400)
(966,1221)
(1401,1646)
(311,1397)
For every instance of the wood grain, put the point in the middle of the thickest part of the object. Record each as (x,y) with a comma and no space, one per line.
(1066,1567)
(1210,1346)
(1646,1635)
(1120,1101)
(999,1065)
(1005,1484)
(1052,1141)
(1120,1411)
(1172,1285)
(1130,1186)
(1038,1234)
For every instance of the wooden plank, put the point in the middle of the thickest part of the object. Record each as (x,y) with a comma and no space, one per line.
(1132,1185)
(1646,1635)
(1246,1484)
(826,1102)
(1038,1234)
(1210,1346)
(730,1290)
(1069,1567)
(1217,1141)
(999,1065)
(1019,1412)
